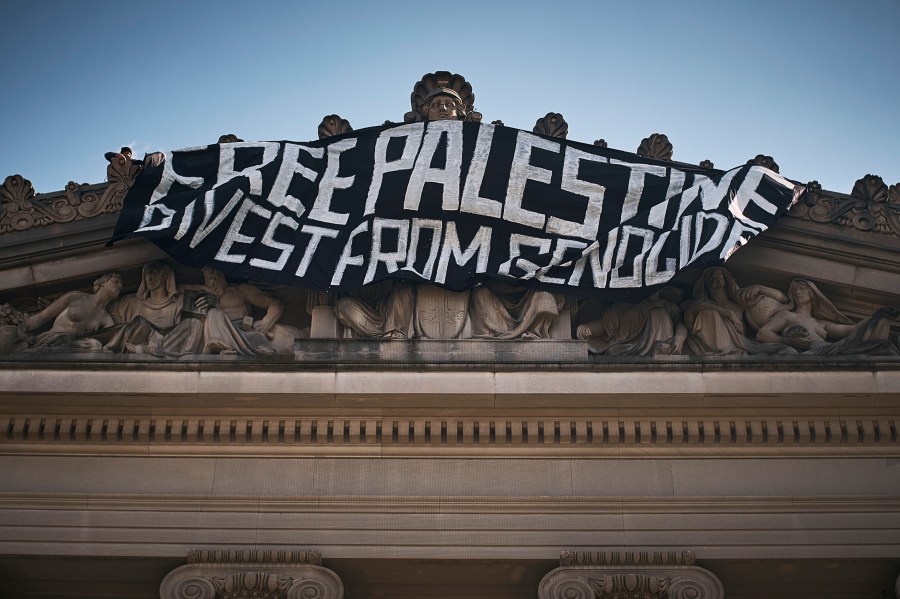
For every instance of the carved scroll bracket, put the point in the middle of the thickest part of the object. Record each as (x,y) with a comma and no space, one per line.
(246,574)
(871,206)
(21,209)
(629,575)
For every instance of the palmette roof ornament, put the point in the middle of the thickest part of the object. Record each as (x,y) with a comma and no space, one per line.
(442,82)
(656,146)
(552,125)
(764,160)
(332,125)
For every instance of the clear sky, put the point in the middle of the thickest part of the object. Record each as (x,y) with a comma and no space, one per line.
(813,83)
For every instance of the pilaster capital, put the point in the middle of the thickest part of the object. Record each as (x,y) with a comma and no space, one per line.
(260,575)
(630,575)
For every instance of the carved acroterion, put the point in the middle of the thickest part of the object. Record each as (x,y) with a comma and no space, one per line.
(552,125)
(442,83)
(766,161)
(332,125)
(656,146)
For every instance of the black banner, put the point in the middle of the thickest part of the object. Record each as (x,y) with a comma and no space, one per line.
(447,202)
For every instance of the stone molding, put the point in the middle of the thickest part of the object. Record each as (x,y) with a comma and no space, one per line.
(613,435)
(21,209)
(871,206)
(651,581)
(253,580)
(627,558)
(254,556)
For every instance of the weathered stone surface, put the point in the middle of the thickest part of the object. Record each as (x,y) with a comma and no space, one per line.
(251,581)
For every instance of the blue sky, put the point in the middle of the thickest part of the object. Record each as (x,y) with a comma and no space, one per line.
(814,83)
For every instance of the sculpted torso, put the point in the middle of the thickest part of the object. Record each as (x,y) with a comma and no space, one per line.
(81,315)
(76,312)
(233,304)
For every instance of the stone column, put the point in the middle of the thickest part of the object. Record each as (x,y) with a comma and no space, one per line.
(245,574)
(631,574)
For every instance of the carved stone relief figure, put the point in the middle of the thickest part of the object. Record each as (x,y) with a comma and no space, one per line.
(380,311)
(650,327)
(153,311)
(715,316)
(77,319)
(223,323)
(504,311)
(810,323)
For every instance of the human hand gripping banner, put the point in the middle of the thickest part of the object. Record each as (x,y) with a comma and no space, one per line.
(449,203)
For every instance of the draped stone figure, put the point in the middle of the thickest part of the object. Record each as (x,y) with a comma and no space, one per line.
(650,327)
(223,323)
(504,311)
(151,312)
(810,323)
(496,310)
(380,311)
(78,318)
(715,315)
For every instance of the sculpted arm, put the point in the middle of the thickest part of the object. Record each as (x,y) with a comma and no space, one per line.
(273,307)
(770,332)
(48,314)
(837,330)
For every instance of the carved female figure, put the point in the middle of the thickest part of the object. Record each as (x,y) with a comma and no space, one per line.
(155,308)
(76,316)
(809,320)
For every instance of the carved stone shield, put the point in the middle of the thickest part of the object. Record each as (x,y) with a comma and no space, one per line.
(440,314)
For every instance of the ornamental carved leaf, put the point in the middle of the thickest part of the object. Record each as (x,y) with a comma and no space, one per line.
(252,585)
(630,585)
(17,212)
(656,146)
(333,125)
(868,190)
(552,125)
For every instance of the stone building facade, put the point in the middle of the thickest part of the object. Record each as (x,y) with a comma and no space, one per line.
(357,467)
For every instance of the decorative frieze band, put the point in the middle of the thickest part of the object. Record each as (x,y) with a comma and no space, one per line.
(875,435)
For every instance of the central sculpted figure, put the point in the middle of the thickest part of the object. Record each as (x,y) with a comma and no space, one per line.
(496,309)
(154,309)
